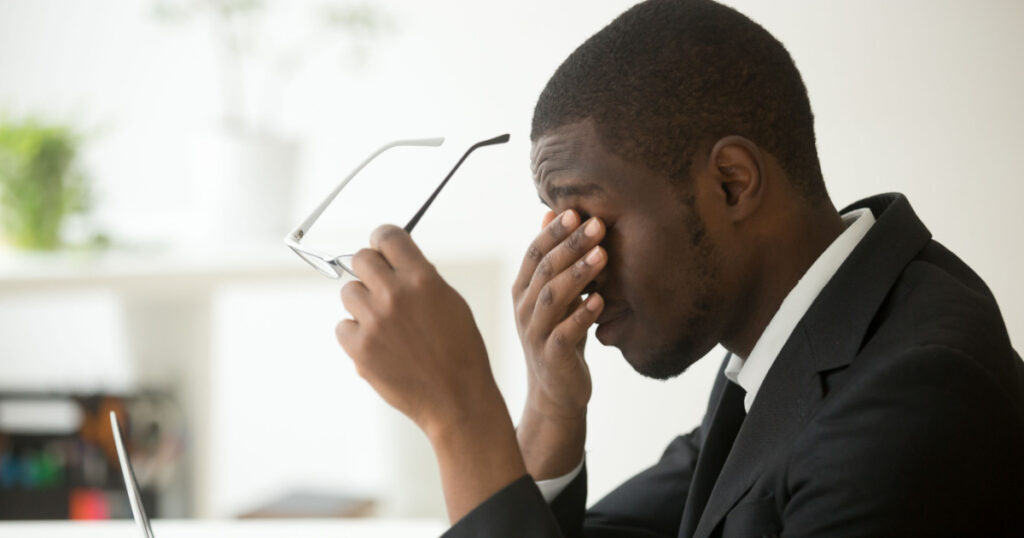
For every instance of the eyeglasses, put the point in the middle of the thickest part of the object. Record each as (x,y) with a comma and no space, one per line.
(335,267)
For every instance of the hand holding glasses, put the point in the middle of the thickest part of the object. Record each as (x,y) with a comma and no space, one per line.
(336,266)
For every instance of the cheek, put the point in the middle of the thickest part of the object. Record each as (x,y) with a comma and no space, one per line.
(657,272)
(638,266)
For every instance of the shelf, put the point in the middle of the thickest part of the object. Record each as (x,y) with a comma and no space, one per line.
(146,267)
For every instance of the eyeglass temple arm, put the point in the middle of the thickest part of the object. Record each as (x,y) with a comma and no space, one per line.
(301,230)
(419,214)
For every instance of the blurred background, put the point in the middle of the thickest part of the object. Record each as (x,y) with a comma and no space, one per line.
(155,152)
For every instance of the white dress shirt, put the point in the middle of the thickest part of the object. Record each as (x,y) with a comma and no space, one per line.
(749,373)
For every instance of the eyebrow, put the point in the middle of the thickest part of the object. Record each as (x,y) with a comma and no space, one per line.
(555,192)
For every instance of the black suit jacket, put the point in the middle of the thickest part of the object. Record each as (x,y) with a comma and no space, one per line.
(896,408)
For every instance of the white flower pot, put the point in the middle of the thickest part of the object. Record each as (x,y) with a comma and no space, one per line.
(242,185)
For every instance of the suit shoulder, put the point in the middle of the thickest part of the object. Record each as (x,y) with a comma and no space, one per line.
(902,442)
(947,300)
(940,307)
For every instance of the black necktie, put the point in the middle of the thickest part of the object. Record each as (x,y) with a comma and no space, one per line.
(726,424)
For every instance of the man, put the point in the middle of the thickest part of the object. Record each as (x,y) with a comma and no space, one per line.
(870,389)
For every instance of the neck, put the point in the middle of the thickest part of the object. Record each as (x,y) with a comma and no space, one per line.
(785,258)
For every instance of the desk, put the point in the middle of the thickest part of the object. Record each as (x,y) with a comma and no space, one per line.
(253,528)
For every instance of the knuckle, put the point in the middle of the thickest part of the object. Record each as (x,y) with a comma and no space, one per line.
(544,270)
(365,259)
(534,253)
(348,336)
(341,332)
(555,230)
(580,317)
(575,243)
(559,339)
(546,296)
(576,272)
(523,312)
(349,291)
(422,277)
(387,232)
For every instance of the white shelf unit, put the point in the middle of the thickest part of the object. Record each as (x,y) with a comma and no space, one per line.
(167,301)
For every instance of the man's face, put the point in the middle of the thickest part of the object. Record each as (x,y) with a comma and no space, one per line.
(660,285)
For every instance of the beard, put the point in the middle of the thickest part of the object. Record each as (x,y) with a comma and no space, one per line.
(688,346)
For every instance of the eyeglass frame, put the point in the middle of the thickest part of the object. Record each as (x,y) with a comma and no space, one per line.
(332,266)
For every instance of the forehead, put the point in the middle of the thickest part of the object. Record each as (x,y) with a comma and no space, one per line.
(571,153)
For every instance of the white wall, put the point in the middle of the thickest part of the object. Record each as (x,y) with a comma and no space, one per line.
(917,96)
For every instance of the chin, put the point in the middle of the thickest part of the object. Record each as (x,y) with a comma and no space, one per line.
(659,365)
(665,361)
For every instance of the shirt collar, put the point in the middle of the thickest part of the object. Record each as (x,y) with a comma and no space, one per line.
(750,373)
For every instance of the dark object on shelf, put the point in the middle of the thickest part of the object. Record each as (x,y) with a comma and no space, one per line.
(57,459)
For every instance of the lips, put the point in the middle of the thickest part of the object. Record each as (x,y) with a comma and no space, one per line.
(610,314)
(610,325)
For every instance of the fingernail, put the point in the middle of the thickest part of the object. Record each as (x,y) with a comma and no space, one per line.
(592,228)
(594,302)
(568,218)
(594,256)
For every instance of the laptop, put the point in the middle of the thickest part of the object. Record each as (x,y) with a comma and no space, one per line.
(134,496)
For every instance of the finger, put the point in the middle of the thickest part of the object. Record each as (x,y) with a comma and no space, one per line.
(563,256)
(548,217)
(355,297)
(371,267)
(573,305)
(346,333)
(555,296)
(397,247)
(568,334)
(553,233)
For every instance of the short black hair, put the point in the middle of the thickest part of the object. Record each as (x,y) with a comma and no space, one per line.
(670,77)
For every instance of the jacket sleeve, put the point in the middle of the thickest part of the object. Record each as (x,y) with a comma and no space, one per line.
(926,445)
(648,505)
(517,510)
(651,503)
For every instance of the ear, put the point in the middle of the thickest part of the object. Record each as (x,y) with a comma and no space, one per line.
(737,167)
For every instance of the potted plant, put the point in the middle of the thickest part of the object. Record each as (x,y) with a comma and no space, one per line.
(243,170)
(40,184)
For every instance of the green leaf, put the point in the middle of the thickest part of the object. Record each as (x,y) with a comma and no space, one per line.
(39,184)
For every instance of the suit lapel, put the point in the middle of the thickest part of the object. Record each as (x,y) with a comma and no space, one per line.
(827,337)
(788,397)
(721,431)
